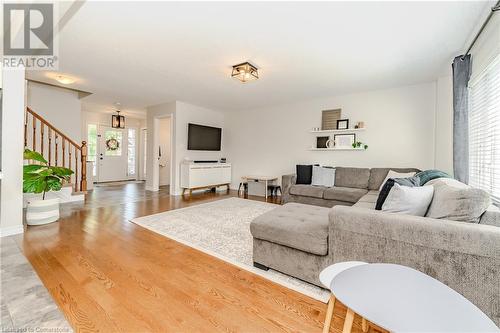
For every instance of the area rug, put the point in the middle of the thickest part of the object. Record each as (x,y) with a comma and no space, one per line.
(222,229)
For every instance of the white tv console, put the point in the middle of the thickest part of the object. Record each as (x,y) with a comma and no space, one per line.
(196,176)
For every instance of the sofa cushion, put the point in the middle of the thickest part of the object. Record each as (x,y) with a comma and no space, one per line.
(368,200)
(323,176)
(491,216)
(386,189)
(348,194)
(377,176)
(307,191)
(304,174)
(352,177)
(299,226)
(457,201)
(428,175)
(408,200)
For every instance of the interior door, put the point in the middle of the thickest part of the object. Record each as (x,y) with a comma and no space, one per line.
(112,160)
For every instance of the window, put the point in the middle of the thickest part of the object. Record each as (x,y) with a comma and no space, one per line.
(92,146)
(131,152)
(484,131)
(145,151)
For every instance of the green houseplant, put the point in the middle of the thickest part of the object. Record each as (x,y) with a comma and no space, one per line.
(359,145)
(40,178)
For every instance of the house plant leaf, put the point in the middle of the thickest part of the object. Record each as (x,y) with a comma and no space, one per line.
(33,155)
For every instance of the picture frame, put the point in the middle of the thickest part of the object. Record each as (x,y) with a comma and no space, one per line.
(343,124)
(322,141)
(344,140)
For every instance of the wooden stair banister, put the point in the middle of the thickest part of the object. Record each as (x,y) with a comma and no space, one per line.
(80,150)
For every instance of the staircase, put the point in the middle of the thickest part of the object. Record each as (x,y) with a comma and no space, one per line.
(59,150)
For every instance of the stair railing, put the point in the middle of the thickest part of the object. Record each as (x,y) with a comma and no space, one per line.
(56,147)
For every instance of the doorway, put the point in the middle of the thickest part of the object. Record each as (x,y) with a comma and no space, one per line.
(113,154)
(164,149)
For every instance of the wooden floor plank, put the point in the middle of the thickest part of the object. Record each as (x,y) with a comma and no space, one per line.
(108,274)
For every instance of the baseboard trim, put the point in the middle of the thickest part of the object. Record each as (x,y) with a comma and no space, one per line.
(13,230)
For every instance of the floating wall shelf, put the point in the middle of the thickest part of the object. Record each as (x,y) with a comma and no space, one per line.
(335,149)
(349,130)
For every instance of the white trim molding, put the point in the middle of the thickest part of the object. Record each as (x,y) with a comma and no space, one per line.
(12,230)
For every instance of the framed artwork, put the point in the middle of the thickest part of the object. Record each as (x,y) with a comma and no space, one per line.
(329,119)
(344,140)
(343,124)
(321,141)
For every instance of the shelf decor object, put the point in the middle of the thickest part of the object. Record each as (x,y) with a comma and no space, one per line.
(245,72)
(329,119)
(343,124)
(344,140)
(322,141)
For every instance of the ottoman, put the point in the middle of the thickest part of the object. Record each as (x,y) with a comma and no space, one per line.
(292,239)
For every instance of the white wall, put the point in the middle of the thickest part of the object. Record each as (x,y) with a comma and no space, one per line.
(60,107)
(181,115)
(444,124)
(11,184)
(400,131)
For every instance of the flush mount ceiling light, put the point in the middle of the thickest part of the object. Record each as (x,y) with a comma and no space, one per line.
(64,79)
(245,72)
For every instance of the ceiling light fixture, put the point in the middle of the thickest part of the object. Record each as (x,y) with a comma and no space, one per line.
(245,72)
(117,121)
(64,79)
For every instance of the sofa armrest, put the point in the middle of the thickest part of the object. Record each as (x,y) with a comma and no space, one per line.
(438,234)
(287,181)
(462,255)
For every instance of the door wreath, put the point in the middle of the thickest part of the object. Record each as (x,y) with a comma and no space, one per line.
(112,144)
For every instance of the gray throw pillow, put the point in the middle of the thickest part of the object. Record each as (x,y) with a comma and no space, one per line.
(457,202)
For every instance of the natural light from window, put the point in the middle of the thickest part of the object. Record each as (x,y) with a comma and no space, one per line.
(131,151)
(484,131)
(92,147)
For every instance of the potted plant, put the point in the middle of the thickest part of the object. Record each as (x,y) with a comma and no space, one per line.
(42,178)
(359,145)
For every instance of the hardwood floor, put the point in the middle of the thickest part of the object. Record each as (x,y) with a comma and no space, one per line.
(109,275)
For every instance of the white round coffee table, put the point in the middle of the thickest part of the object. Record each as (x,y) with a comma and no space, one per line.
(402,299)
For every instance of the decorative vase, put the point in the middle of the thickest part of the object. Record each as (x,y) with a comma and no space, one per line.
(40,212)
(330,143)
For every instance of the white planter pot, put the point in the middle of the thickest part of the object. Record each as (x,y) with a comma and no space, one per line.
(42,211)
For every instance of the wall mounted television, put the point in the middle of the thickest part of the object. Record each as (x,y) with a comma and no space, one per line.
(204,137)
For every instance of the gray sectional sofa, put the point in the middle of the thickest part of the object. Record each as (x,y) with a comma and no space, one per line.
(351,184)
(301,238)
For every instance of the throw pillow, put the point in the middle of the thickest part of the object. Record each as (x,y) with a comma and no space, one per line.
(456,201)
(411,182)
(428,175)
(394,174)
(408,200)
(323,176)
(304,174)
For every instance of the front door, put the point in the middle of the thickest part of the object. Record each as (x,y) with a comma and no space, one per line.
(112,154)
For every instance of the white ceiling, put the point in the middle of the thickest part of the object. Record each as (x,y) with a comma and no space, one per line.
(145,53)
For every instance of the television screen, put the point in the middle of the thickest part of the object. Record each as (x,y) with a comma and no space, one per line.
(204,137)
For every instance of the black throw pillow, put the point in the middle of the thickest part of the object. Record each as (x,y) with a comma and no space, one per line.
(384,192)
(304,174)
